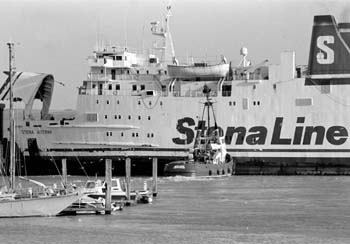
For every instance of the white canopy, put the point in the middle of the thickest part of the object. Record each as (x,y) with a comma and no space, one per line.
(29,86)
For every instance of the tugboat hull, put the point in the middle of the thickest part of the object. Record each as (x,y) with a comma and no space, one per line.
(193,169)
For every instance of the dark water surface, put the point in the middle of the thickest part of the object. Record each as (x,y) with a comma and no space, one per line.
(239,209)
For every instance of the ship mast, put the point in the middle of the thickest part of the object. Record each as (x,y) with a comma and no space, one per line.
(12,120)
(164,32)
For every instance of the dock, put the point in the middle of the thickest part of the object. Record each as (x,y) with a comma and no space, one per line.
(87,205)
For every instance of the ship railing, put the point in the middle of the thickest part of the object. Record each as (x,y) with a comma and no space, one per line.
(118,49)
(107,92)
(110,77)
(193,94)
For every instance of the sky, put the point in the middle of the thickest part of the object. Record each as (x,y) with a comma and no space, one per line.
(57,36)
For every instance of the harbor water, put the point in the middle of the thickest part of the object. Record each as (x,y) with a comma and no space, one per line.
(238,209)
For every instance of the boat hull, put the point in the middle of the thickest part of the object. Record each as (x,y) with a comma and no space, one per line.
(194,169)
(182,71)
(44,206)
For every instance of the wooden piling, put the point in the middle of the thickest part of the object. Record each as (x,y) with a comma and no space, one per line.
(155,175)
(108,197)
(127,177)
(64,172)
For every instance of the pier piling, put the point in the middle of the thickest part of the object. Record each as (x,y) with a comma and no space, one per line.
(127,177)
(155,176)
(108,175)
(64,172)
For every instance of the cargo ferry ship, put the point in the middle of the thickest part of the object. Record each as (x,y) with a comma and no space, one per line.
(275,118)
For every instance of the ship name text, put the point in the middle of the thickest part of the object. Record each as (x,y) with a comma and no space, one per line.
(32,132)
(258,135)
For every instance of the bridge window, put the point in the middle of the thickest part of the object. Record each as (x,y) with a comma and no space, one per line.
(117,87)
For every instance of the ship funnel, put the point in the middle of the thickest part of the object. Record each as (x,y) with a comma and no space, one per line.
(329,56)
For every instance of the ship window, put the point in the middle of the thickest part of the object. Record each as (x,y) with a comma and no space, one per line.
(110,133)
(149,117)
(137,134)
(165,72)
(147,72)
(115,116)
(254,103)
(93,86)
(139,117)
(126,58)
(106,116)
(151,134)
(161,103)
(150,103)
(133,134)
(139,102)
(110,87)
(142,87)
(147,134)
(119,58)
(274,86)
(107,101)
(91,117)
(129,117)
(117,101)
(96,101)
(303,101)
(258,103)
(119,116)
(138,71)
(27,123)
(245,103)
(230,103)
(101,71)
(122,134)
(134,87)
(254,87)
(226,90)
(128,71)
(234,103)
(117,87)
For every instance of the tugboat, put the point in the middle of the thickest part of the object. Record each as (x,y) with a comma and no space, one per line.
(209,156)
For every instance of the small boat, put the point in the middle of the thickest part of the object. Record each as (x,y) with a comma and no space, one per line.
(209,156)
(20,202)
(97,189)
(198,70)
